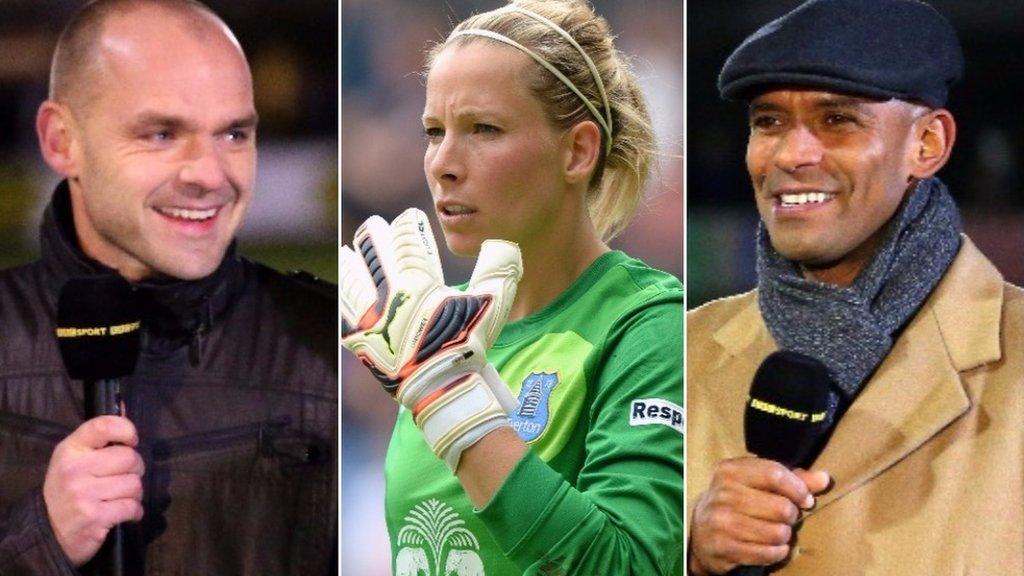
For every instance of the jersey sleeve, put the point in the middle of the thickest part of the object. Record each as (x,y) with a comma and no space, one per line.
(623,513)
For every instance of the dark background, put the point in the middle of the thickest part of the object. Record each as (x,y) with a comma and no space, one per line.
(984,174)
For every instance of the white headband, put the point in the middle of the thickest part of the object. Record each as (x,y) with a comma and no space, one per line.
(606,120)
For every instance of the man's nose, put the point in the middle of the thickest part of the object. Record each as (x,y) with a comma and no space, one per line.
(204,165)
(798,148)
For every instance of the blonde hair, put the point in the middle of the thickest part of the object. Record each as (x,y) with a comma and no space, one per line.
(618,182)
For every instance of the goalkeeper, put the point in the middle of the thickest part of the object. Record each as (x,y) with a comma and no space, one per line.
(541,422)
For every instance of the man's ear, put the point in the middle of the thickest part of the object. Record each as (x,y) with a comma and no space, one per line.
(582,151)
(934,134)
(54,129)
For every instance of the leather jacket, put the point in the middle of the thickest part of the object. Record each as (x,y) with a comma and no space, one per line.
(235,400)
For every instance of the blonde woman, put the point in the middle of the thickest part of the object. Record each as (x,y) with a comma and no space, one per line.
(541,428)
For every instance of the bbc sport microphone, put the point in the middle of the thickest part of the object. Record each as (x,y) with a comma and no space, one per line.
(98,329)
(788,415)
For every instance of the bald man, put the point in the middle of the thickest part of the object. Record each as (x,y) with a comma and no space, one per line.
(224,463)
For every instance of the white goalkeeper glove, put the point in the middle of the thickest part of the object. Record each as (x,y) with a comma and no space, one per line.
(424,341)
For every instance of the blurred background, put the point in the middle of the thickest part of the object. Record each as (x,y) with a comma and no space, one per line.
(985,173)
(292,49)
(382,46)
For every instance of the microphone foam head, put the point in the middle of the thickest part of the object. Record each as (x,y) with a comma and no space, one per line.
(98,327)
(788,411)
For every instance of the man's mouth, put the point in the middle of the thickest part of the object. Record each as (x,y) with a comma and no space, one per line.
(804,198)
(190,214)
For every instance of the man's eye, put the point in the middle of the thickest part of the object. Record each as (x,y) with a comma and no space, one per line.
(480,128)
(433,134)
(764,122)
(161,136)
(838,119)
(238,135)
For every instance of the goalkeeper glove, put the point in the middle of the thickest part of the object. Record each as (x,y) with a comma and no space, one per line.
(425,342)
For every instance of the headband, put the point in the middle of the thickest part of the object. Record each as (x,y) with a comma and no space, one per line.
(606,120)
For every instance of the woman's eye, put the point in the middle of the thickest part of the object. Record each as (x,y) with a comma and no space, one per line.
(433,134)
(486,129)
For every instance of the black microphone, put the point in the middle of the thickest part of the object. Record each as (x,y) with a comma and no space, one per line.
(788,416)
(98,331)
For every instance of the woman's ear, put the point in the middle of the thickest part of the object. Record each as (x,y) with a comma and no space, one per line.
(934,134)
(582,149)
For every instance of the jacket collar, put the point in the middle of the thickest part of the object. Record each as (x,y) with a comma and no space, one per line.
(917,390)
(173,311)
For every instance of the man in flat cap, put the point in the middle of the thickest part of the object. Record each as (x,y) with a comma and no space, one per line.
(861,265)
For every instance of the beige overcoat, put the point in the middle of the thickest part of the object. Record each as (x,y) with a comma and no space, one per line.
(928,462)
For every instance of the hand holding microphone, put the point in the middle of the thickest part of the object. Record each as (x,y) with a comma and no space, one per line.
(93,483)
(94,478)
(744,521)
(746,516)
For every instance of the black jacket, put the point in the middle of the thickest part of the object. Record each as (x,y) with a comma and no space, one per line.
(235,400)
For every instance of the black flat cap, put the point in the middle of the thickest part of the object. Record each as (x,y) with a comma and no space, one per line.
(878,48)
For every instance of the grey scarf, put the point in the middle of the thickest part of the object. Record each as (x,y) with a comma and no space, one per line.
(851,329)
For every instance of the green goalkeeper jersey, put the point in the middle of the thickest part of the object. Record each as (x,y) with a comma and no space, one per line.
(599,379)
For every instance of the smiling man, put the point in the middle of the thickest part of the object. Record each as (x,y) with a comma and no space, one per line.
(224,461)
(861,265)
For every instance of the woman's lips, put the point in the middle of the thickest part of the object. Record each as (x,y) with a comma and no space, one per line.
(451,213)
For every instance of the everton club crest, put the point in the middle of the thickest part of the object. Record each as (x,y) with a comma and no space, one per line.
(531,419)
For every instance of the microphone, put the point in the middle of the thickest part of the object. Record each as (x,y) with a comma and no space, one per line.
(788,416)
(98,331)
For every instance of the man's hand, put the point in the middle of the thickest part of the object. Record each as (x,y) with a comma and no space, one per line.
(425,342)
(746,516)
(93,482)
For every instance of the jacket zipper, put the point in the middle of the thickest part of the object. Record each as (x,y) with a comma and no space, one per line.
(217,440)
(196,348)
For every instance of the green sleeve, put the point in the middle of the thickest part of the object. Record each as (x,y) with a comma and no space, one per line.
(623,513)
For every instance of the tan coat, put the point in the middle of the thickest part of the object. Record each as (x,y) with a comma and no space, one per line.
(928,463)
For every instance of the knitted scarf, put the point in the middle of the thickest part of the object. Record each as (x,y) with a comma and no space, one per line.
(851,329)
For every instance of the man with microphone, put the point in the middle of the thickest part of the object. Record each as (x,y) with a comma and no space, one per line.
(862,267)
(225,462)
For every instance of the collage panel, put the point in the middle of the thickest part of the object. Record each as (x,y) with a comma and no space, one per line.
(470,136)
(855,234)
(168,382)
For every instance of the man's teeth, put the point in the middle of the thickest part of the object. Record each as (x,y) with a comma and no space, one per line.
(805,197)
(457,209)
(188,214)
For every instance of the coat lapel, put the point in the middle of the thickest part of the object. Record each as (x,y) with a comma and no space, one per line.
(914,394)
(917,391)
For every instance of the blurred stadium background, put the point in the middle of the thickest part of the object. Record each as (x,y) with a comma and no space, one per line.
(292,48)
(382,158)
(985,173)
